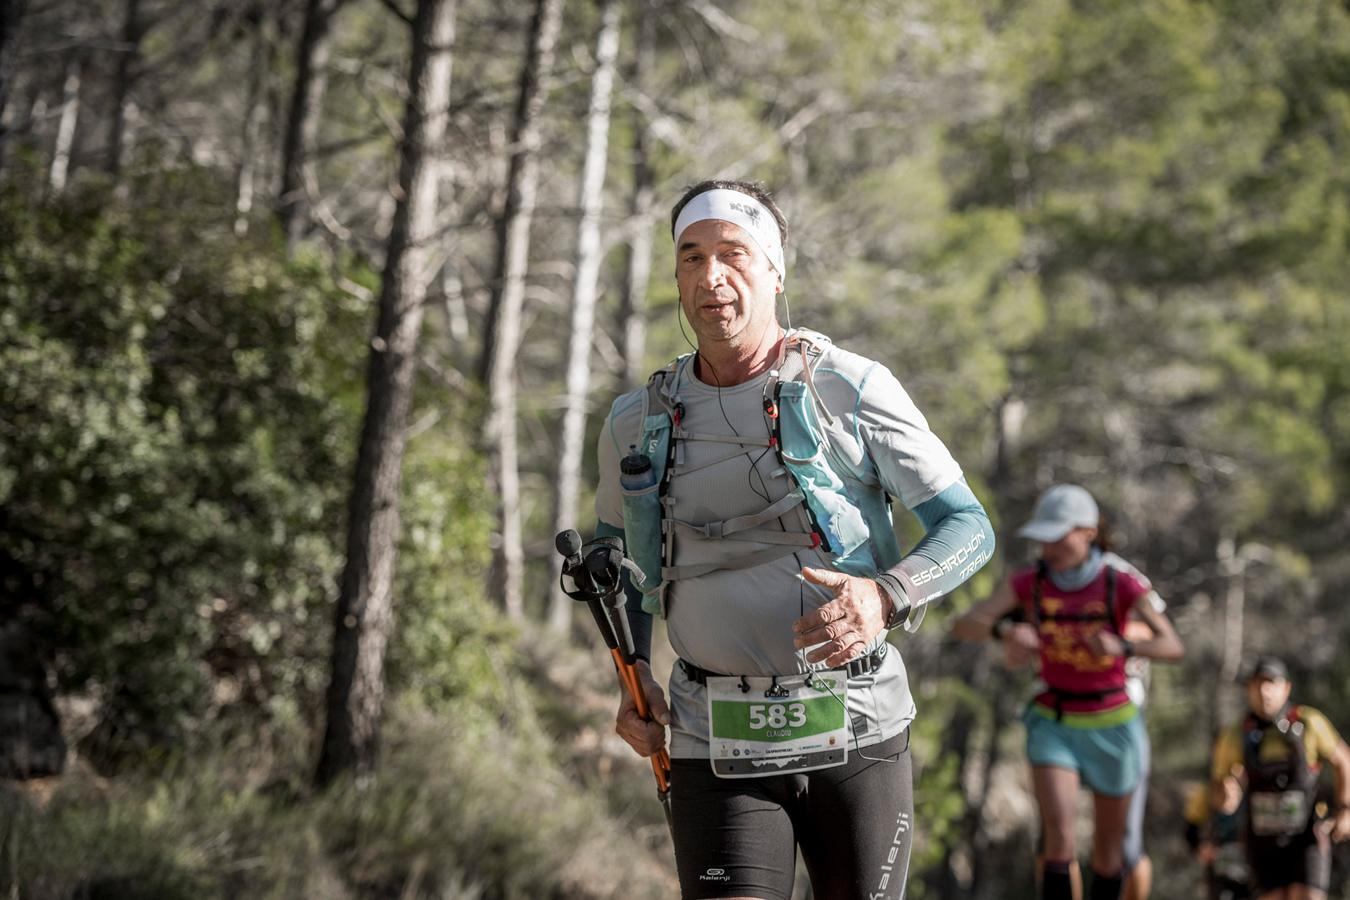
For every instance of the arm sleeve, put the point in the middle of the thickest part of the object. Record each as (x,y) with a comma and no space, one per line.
(958,540)
(913,464)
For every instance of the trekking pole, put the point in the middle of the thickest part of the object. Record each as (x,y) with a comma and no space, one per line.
(599,584)
(600,566)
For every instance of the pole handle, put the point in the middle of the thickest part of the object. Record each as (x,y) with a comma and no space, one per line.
(632,683)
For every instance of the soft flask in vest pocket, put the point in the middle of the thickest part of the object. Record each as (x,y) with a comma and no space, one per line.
(803,451)
(642,508)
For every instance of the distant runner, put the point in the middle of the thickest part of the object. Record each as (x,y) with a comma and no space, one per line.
(1277,751)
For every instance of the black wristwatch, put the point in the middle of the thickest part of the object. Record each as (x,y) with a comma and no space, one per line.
(1127,648)
(899,613)
(895,592)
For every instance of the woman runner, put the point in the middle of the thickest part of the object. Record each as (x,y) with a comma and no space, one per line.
(1083,728)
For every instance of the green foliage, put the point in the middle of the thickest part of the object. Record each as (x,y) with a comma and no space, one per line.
(169,508)
(448,637)
(180,409)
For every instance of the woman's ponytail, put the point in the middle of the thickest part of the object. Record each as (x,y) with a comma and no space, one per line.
(1103,539)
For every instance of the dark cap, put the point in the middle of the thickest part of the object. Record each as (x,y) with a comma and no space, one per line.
(1271,667)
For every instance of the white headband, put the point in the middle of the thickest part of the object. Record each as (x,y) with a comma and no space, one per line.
(739,209)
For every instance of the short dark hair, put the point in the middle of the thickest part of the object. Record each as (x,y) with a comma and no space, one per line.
(756,189)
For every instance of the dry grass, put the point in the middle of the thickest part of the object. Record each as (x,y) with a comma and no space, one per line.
(461,809)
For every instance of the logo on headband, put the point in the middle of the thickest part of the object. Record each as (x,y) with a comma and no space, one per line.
(751,211)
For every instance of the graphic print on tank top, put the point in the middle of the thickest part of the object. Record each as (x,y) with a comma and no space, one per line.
(1066,620)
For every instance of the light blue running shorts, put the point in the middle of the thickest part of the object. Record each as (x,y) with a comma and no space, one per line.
(1109,759)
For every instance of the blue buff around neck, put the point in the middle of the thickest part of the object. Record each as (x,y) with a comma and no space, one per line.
(1080,576)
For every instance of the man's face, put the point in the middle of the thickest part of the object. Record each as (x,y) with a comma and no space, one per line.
(1267,696)
(727,286)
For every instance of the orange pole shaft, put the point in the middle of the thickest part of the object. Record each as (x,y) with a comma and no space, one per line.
(629,677)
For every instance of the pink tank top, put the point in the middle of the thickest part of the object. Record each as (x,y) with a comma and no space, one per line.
(1065,620)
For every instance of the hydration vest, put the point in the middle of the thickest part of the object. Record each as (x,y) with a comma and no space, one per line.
(848,521)
(1280,791)
(1039,614)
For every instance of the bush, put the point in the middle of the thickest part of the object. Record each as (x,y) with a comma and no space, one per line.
(460,808)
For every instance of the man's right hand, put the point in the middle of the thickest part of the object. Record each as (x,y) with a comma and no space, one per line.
(644,737)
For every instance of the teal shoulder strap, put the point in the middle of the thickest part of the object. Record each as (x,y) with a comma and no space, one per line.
(854,523)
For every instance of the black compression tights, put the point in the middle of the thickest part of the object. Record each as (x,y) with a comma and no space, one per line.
(854,824)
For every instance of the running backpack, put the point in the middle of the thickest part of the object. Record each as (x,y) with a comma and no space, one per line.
(1280,791)
(848,521)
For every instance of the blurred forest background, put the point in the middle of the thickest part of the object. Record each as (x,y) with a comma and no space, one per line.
(310,311)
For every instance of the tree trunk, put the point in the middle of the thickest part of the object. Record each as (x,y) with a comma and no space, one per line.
(1233,570)
(984,870)
(974,839)
(65,129)
(302,123)
(364,611)
(513,228)
(128,55)
(503,327)
(633,299)
(956,743)
(31,745)
(584,290)
(11,13)
(254,110)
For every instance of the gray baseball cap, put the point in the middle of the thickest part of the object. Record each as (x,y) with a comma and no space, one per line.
(1060,510)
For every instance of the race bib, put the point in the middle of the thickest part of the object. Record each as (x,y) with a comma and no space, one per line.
(767,726)
(1274,814)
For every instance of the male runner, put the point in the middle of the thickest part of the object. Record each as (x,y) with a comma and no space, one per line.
(764,531)
(1277,751)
